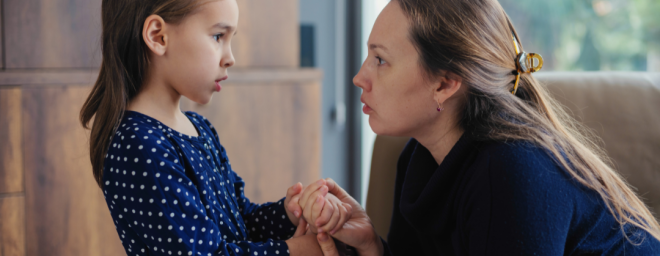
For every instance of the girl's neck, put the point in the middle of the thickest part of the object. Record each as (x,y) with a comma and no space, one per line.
(161,102)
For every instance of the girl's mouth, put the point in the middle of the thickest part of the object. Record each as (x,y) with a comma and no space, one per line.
(218,87)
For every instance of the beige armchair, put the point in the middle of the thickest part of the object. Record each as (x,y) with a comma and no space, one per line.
(622,108)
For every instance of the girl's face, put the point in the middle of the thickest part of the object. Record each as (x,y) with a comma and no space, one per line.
(397,98)
(199,50)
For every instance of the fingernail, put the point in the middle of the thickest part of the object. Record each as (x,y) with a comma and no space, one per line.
(318,199)
(323,237)
(333,232)
(296,213)
(320,182)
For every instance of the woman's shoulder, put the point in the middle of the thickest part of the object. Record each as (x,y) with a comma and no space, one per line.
(521,172)
(519,159)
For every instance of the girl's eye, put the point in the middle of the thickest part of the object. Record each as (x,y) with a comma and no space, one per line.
(218,36)
(380,61)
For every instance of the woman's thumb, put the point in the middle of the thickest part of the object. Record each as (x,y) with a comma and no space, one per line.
(327,244)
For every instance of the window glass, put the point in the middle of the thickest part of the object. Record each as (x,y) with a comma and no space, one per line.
(590,34)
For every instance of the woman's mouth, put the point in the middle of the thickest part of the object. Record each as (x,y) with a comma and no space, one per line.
(366,109)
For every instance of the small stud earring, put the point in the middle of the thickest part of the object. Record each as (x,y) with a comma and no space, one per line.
(440,108)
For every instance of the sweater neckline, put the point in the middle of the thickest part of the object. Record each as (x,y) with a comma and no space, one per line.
(428,184)
(170,131)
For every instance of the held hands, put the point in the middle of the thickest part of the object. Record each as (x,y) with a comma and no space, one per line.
(323,211)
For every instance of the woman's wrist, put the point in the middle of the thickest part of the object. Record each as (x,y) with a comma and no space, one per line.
(374,248)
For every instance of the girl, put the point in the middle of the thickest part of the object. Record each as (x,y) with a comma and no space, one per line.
(495,166)
(166,178)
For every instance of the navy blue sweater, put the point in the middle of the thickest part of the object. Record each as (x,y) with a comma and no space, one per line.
(495,198)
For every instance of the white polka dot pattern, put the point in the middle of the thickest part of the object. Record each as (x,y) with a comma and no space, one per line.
(174,194)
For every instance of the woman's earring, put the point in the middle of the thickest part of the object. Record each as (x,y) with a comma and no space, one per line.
(440,108)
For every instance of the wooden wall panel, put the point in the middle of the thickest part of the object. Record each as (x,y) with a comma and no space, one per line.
(52,33)
(272,133)
(65,210)
(12,226)
(2,49)
(266,37)
(39,33)
(11,150)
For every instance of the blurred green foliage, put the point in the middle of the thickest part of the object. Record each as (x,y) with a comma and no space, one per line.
(589,34)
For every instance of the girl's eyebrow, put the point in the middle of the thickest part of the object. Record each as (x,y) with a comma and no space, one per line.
(224,26)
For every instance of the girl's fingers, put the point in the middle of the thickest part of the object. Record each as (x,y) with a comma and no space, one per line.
(308,210)
(307,206)
(316,209)
(309,190)
(332,222)
(294,190)
(345,213)
(293,206)
(322,215)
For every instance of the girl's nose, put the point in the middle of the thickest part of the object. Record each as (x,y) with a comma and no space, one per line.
(228,59)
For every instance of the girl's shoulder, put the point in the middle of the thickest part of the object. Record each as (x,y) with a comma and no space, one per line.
(203,123)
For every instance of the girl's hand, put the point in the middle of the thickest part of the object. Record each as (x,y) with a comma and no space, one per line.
(327,213)
(293,211)
(294,197)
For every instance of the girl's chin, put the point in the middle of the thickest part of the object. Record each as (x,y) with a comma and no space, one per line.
(201,100)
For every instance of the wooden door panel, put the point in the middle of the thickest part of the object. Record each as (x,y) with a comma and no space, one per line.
(11,150)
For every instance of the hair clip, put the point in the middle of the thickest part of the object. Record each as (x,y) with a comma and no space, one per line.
(525,63)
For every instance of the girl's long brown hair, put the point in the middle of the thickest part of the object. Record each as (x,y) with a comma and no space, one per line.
(123,68)
(474,39)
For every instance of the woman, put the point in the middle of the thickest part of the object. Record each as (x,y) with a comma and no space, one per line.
(495,166)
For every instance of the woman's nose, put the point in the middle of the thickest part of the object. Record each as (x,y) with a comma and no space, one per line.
(360,80)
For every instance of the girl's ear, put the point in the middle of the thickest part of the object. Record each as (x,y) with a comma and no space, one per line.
(446,86)
(153,33)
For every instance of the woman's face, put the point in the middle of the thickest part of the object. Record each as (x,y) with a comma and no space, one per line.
(397,97)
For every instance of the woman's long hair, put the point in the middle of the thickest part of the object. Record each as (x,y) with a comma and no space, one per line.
(123,68)
(474,39)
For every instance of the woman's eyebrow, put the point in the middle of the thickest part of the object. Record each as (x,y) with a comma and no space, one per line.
(374,46)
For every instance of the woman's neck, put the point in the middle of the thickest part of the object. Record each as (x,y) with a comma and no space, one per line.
(440,138)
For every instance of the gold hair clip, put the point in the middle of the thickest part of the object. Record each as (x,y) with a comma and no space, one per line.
(525,64)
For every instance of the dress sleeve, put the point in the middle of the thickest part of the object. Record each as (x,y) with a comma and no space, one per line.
(263,221)
(146,187)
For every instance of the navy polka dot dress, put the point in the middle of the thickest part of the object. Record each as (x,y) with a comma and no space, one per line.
(174,194)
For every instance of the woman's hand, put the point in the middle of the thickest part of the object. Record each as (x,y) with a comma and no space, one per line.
(358,230)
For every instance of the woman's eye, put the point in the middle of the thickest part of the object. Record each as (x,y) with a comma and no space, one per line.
(218,36)
(380,61)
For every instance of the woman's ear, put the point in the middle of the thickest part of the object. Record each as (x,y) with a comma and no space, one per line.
(154,35)
(446,86)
